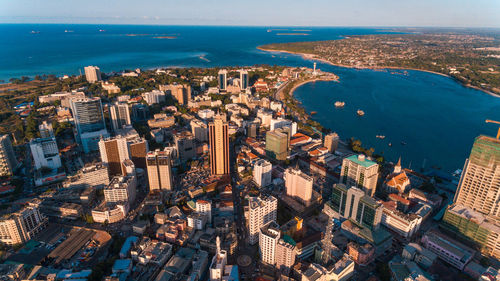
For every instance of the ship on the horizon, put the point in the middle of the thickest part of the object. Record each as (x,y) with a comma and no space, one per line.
(339,104)
(360,112)
(380,137)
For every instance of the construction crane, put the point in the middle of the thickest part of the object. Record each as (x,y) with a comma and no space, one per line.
(495,122)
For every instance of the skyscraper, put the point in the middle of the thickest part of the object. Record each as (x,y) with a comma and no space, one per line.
(182,93)
(262,210)
(277,145)
(360,172)
(159,170)
(219,146)
(244,79)
(120,115)
(268,239)
(92,74)
(479,186)
(8,161)
(262,170)
(89,122)
(298,185)
(222,77)
(331,142)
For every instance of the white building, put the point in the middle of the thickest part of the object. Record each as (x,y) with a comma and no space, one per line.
(298,184)
(285,256)
(121,189)
(196,220)
(268,239)
(219,269)
(275,106)
(46,130)
(404,224)
(262,172)
(45,153)
(283,123)
(205,207)
(360,172)
(206,114)
(110,212)
(265,117)
(261,211)
(21,226)
(92,74)
(199,130)
(154,97)
(120,115)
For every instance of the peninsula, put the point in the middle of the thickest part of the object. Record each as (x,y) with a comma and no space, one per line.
(472,59)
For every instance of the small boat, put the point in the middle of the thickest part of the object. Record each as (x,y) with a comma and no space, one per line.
(35,32)
(68,31)
(403,143)
(380,137)
(339,104)
(313,112)
(390,144)
(360,112)
(101,30)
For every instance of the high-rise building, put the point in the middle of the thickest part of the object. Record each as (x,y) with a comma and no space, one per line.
(474,215)
(126,145)
(199,130)
(479,186)
(331,142)
(244,80)
(284,123)
(277,145)
(45,153)
(182,93)
(204,207)
(8,161)
(253,129)
(159,170)
(219,146)
(298,184)
(262,210)
(222,78)
(89,122)
(121,189)
(46,130)
(185,146)
(154,97)
(21,226)
(352,203)
(360,172)
(262,172)
(285,254)
(120,115)
(268,239)
(92,74)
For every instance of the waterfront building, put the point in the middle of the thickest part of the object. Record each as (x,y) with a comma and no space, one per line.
(185,146)
(352,203)
(182,93)
(285,254)
(262,172)
(298,185)
(46,130)
(277,145)
(45,153)
(244,79)
(8,161)
(92,74)
(268,240)
(21,226)
(121,189)
(199,130)
(219,146)
(449,250)
(331,142)
(360,172)
(127,145)
(222,78)
(261,211)
(205,207)
(159,168)
(89,122)
(478,188)
(120,115)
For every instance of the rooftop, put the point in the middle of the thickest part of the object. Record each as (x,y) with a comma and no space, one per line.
(361,160)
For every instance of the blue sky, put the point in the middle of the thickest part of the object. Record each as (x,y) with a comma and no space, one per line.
(448,13)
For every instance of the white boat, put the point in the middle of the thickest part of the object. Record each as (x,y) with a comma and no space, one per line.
(380,137)
(339,104)
(360,112)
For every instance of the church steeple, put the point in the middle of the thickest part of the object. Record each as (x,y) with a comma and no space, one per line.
(397,168)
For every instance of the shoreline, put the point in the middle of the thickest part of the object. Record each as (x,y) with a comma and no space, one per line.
(314,57)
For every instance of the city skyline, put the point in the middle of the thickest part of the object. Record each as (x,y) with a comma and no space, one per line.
(277,13)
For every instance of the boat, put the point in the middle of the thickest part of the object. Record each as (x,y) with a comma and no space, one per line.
(68,31)
(380,137)
(313,112)
(101,30)
(403,143)
(360,112)
(35,32)
(390,144)
(339,104)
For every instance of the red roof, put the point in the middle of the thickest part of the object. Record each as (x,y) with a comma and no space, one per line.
(395,197)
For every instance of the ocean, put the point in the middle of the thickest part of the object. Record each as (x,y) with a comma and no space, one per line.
(435,116)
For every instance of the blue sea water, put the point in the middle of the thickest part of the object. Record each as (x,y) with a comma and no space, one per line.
(437,117)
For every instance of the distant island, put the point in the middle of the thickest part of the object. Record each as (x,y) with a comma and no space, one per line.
(472,59)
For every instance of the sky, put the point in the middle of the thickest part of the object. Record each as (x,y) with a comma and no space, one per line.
(443,13)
